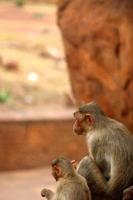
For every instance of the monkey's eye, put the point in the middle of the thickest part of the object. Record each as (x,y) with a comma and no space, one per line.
(87,116)
(79,116)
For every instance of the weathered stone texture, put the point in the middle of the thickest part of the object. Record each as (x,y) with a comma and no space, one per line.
(98,39)
(27,144)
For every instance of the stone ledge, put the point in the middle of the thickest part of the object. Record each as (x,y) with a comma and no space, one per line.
(36,115)
(29,142)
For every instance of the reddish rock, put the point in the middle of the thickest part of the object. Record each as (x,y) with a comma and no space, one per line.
(98,39)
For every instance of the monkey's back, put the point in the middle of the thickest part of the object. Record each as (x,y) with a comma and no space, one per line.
(73,188)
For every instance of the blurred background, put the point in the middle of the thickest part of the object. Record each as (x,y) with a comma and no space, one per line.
(36,102)
(32,62)
(55,55)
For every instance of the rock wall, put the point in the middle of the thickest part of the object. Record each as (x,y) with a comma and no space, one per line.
(98,39)
(28,143)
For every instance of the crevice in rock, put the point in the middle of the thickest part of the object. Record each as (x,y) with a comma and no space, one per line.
(127,83)
(117,53)
(117,49)
(63,5)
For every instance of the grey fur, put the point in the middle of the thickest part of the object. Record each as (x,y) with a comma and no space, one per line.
(71,186)
(109,166)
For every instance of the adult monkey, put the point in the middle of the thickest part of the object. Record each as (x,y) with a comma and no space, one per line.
(70,185)
(109,166)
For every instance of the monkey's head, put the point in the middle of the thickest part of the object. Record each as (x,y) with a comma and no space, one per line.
(87,117)
(62,167)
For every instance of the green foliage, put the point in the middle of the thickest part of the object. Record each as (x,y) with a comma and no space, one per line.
(20,2)
(4,96)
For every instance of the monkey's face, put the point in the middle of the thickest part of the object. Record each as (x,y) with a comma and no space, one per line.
(83,123)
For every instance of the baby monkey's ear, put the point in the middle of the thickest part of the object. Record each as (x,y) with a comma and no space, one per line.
(57,171)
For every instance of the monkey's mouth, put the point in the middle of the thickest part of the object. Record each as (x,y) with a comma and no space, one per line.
(78,131)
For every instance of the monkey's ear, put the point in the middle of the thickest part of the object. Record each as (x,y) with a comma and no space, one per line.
(57,171)
(90,119)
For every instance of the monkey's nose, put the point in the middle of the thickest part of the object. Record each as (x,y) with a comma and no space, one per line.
(42,194)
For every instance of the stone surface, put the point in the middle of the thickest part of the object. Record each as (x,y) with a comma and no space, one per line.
(98,39)
(27,143)
(25,184)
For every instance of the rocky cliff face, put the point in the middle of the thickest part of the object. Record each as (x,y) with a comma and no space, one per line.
(98,39)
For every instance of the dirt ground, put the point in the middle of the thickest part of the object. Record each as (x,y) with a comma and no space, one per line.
(33,72)
(25,185)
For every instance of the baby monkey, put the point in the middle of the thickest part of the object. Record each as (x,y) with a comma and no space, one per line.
(70,185)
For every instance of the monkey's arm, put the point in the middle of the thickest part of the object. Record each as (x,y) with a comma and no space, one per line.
(119,177)
(95,179)
(47,193)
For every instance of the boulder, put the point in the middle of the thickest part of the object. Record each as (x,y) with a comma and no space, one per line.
(98,40)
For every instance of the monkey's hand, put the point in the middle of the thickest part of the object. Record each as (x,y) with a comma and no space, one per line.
(47,193)
(74,164)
